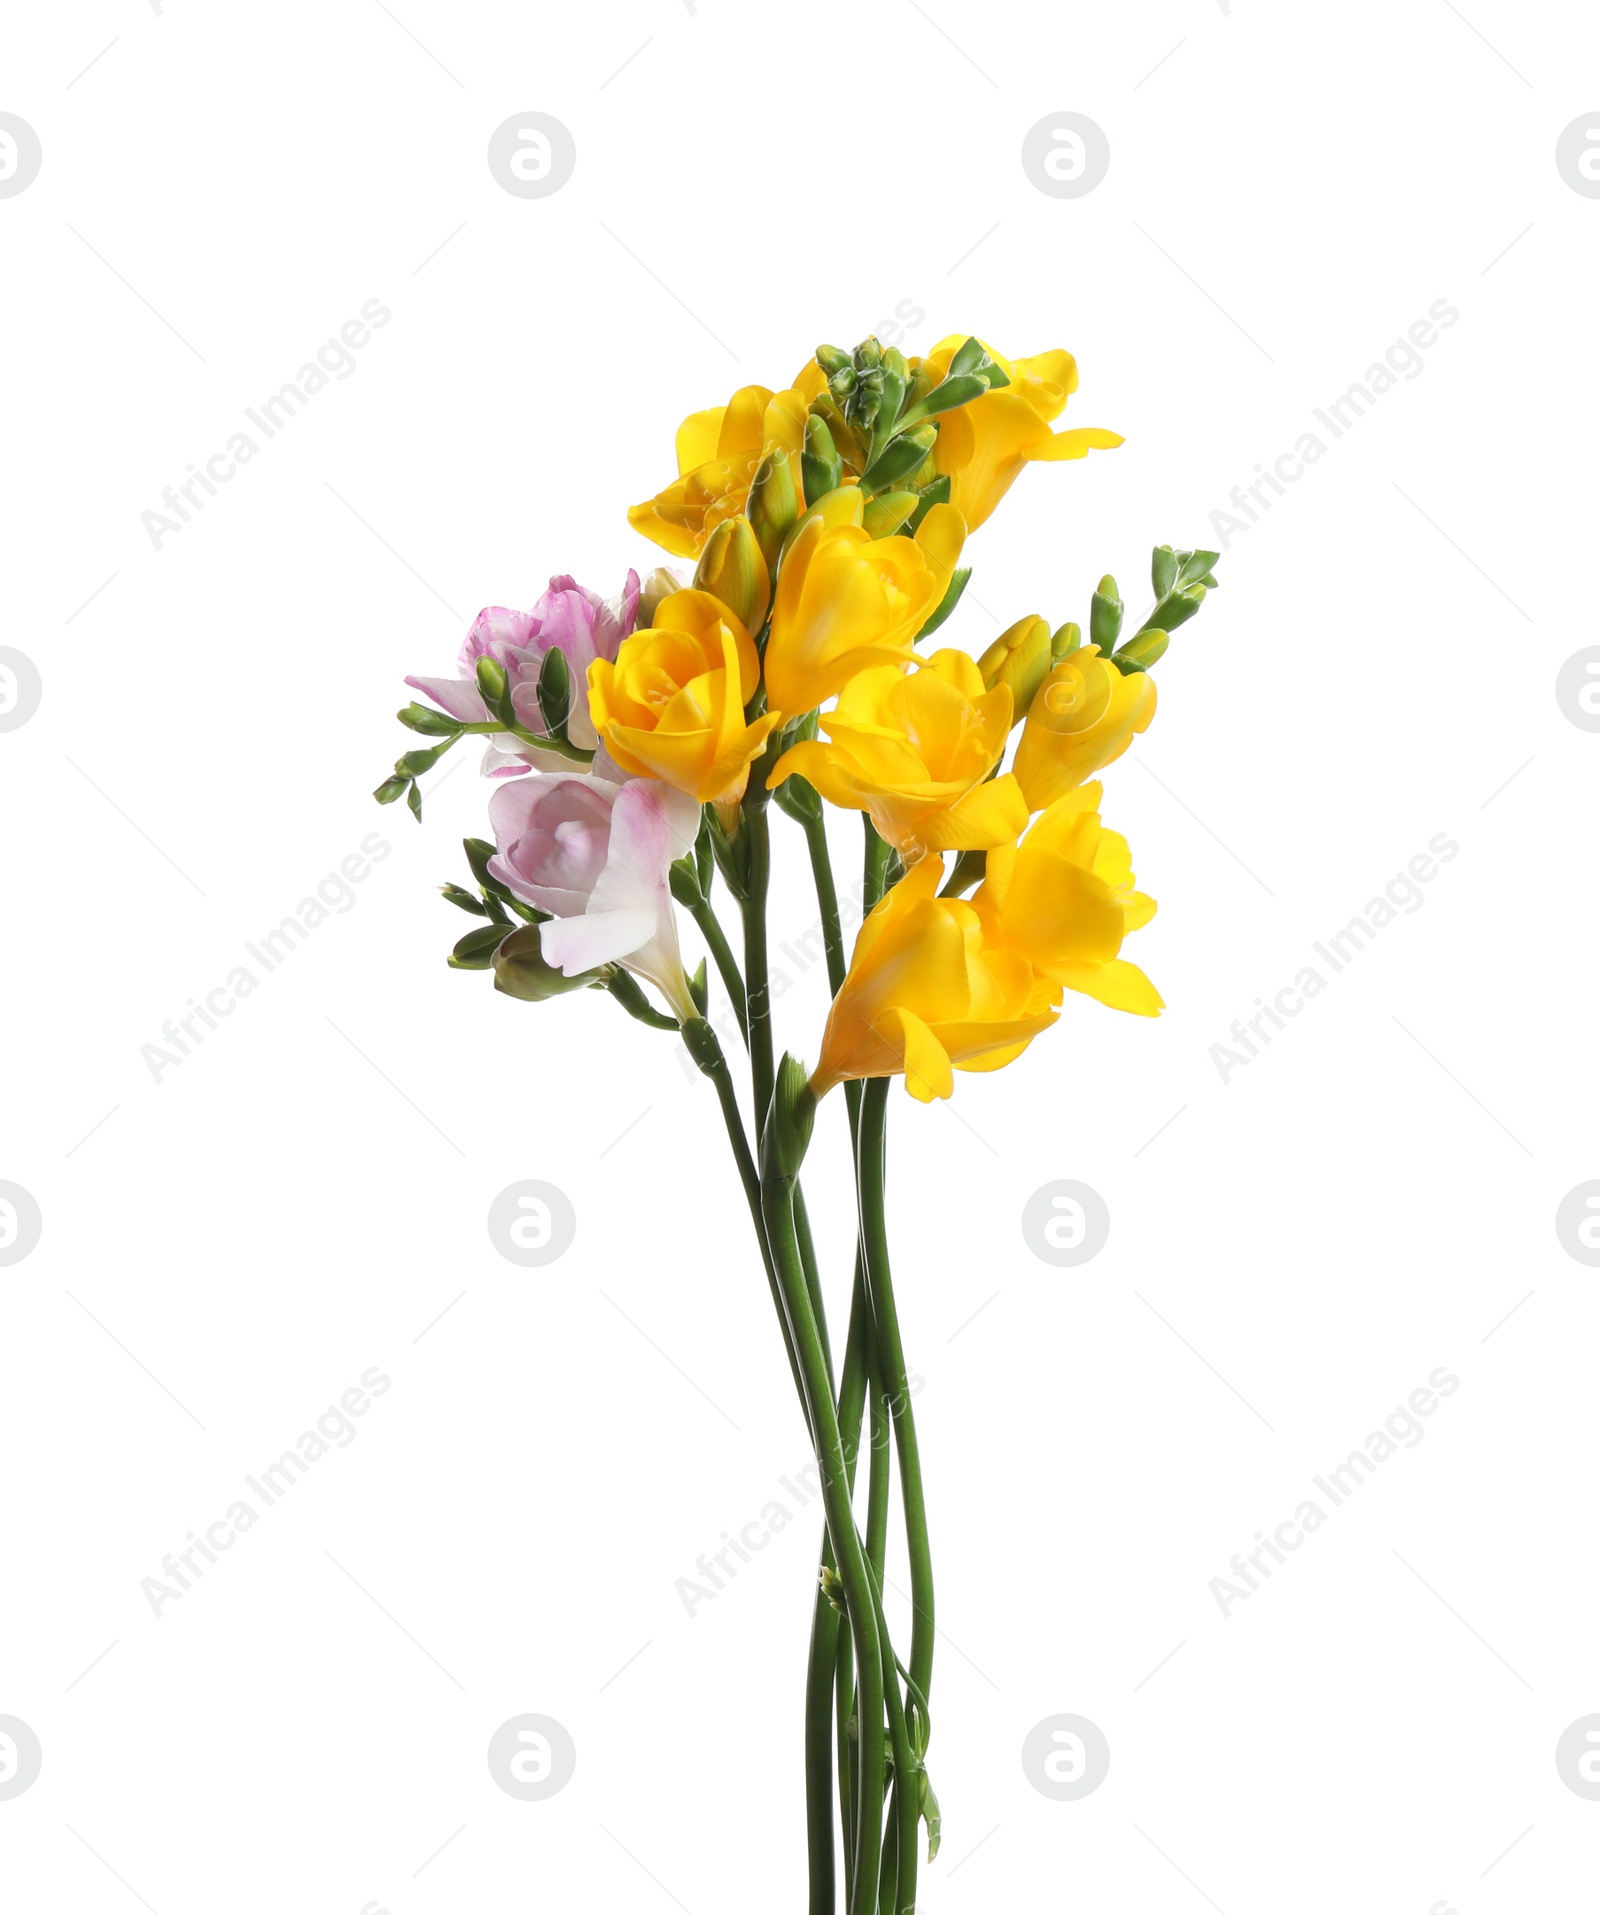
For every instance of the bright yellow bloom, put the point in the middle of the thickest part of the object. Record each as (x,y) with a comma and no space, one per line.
(927,993)
(1064,899)
(718,452)
(846,601)
(984,444)
(1082,717)
(912,750)
(672,706)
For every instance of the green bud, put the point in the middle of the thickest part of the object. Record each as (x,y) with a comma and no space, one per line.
(414,763)
(555,691)
(1163,570)
(946,605)
(774,503)
(414,801)
(832,1586)
(391,789)
(1105,616)
(521,971)
(1064,641)
(475,952)
(494,689)
(967,357)
(788,1126)
(464,900)
(733,569)
(1194,568)
(888,512)
(1143,649)
(1181,606)
(833,359)
(820,465)
(868,354)
(900,459)
(928,1809)
(684,882)
(958,391)
(431,723)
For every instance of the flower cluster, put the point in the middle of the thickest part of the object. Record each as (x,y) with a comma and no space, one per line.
(645,732)
(639,745)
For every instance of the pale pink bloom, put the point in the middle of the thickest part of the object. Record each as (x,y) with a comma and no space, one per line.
(594,854)
(570,619)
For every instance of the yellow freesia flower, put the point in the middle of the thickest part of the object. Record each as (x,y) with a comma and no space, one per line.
(672,706)
(984,444)
(1082,717)
(718,452)
(846,601)
(1064,899)
(927,994)
(912,750)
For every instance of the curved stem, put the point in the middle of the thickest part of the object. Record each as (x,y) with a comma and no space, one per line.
(757,989)
(717,943)
(816,831)
(859,1593)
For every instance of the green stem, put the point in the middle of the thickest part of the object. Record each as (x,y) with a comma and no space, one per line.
(757,988)
(816,831)
(856,1578)
(870,1169)
(717,943)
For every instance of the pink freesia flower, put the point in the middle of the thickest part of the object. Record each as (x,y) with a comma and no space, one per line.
(594,854)
(570,619)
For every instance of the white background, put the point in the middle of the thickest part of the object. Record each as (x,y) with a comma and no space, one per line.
(1293,1253)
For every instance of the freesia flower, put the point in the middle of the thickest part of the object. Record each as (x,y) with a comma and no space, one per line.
(846,601)
(1064,899)
(568,618)
(927,993)
(594,855)
(718,452)
(1082,717)
(913,749)
(984,444)
(672,705)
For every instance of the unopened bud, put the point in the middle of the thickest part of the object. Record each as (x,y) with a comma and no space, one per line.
(733,570)
(774,502)
(661,583)
(1019,658)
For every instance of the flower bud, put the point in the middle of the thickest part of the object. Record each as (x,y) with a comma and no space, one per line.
(554,691)
(1019,658)
(732,569)
(832,359)
(820,465)
(1142,650)
(899,459)
(1105,616)
(774,502)
(1064,641)
(521,971)
(885,514)
(788,1128)
(661,583)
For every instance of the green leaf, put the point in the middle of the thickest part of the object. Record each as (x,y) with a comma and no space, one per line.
(946,605)
(475,952)
(464,900)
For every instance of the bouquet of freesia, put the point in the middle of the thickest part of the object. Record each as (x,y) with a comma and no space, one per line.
(637,745)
